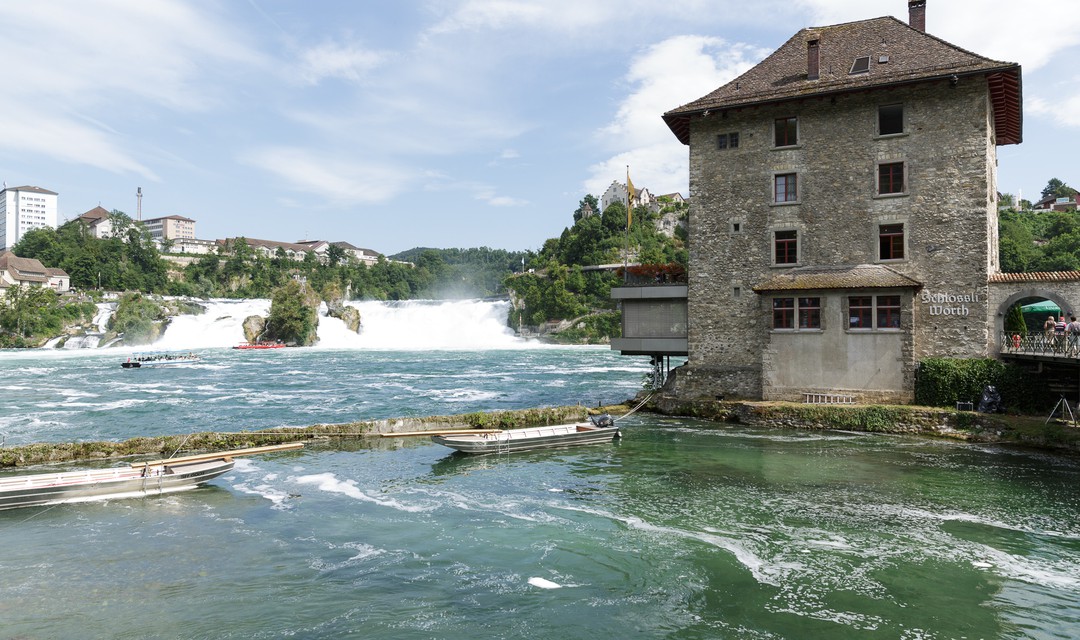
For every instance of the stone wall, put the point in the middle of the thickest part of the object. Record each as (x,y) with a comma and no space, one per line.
(948,211)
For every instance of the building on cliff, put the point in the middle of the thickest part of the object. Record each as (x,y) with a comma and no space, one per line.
(843,219)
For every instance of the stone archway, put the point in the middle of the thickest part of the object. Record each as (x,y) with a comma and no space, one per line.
(1043,291)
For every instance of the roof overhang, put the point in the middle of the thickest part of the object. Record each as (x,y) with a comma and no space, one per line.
(1004,85)
(859,276)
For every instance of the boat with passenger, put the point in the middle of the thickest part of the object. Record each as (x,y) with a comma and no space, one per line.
(261,345)
(158,359)
(600,429)
(135,480)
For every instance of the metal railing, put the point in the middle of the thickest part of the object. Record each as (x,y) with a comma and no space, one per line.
(1041,344)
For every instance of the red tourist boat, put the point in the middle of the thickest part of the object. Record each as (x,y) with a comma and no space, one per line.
(261,345)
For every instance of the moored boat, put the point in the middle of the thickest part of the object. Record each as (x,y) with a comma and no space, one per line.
(598,430)
(156,359)
(139,479)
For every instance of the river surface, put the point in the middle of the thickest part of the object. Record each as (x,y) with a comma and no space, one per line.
(681,529)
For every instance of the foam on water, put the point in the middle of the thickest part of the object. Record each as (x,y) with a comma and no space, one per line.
(331,484)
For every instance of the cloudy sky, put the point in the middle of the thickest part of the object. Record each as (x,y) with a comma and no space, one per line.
(393,124)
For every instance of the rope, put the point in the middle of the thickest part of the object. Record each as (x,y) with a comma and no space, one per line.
(634,410)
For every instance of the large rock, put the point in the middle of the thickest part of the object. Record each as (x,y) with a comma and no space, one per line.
(253,328)
(349,315)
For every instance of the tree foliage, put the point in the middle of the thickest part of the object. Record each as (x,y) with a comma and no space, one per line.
(294,315)
(1031,241)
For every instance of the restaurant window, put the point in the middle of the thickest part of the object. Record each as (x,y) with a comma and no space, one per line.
(809,313)
(785,187)
(888,312)
(860,312)
(786,132)
(786,247)
(890,178)
(891,241)
(783,313)
(890,119)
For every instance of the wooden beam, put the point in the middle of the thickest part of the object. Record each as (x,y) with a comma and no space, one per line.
(289,446)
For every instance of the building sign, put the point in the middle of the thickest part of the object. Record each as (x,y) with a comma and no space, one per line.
(949,304)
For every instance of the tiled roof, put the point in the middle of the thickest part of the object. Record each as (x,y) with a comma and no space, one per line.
(898,54)
(23,269)
(1039,276)
(859,276)
(95,214)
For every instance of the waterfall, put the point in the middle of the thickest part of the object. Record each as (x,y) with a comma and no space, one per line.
(221,326)
(424,325)
(412,325)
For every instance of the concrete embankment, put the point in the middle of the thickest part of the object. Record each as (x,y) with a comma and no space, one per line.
(968,426)
(167,446)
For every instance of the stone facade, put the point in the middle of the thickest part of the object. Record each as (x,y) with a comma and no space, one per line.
(921,254)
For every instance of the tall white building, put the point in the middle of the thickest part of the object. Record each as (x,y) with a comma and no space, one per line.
(23,209)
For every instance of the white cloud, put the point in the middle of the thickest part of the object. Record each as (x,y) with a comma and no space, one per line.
(347,61)
(341,181)
(84,65)
(1031,33)
(1063,109)
(669,74)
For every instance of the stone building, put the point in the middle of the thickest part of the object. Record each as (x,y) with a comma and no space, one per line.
(843,220)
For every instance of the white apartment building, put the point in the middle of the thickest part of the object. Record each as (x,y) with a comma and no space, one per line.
(23,209)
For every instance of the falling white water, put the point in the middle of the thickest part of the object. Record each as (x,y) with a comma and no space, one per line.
(221,326)
(105,311)
(423,325)
(412,325)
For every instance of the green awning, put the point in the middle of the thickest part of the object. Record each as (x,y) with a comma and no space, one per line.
(1046,306)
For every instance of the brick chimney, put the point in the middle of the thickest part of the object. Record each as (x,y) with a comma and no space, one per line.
(917,14)
(812,60)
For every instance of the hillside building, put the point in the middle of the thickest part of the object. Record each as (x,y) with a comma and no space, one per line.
(843,219)
(175,228)
(23,209)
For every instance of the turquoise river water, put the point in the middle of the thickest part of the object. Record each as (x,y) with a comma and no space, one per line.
(682,529)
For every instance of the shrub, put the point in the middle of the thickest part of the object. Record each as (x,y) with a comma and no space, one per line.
(942,382)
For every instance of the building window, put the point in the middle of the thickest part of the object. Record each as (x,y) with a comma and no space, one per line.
(787,131)
(727,141)
(861,65)
(860,312)
(809,313)
(890,178)
(891,241)
(890,119)
(783,313)
(863,309)
(888,312)
(786,247)
(785,187)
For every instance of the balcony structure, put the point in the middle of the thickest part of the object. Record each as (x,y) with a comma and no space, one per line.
(653,319)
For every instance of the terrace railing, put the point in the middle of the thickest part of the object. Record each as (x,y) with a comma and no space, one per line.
(1040,344)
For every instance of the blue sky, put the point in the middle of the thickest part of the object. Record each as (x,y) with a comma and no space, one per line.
(393,124)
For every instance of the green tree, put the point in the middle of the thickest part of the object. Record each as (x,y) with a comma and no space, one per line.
(1057,189)
(294,315)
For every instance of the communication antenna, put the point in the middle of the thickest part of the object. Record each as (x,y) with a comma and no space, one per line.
(138,207)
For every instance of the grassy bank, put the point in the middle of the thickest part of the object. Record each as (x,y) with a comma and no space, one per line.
(968,426)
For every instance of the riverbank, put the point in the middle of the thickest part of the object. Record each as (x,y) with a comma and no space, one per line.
(967,426)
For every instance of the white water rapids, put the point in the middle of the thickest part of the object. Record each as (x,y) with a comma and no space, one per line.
(411,325)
